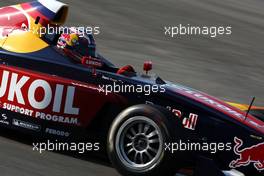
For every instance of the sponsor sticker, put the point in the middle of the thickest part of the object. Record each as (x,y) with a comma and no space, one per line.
(189,122)
(251,155)
(14,87)
(55,118)
(38,98)
(57,132)
(26,125)
(4,119)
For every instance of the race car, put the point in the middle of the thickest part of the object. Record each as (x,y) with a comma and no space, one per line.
(58,85)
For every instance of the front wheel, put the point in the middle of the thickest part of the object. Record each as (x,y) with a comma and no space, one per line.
(136,142)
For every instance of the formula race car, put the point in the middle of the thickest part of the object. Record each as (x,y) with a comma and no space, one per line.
(57,84)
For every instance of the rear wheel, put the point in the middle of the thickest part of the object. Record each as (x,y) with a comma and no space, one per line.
(136,142)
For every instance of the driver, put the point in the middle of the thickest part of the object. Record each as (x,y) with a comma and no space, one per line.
(75,44)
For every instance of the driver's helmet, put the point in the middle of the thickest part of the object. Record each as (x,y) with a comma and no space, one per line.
(77,44)
(68,40)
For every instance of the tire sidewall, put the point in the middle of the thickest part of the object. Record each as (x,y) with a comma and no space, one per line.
(157,115)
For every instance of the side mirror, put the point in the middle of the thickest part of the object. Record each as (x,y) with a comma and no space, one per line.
(147,66)
(92,62)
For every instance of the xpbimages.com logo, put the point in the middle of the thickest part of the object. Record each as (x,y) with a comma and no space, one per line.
(187,30)
(125,88)
(90,30)
(80,147)
(212,147)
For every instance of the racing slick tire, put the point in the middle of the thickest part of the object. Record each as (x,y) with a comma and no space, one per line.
(136,141)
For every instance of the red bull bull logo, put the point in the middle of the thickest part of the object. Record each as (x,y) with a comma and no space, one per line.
(251,155)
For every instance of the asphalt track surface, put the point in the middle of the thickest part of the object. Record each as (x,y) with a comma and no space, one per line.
(229,67)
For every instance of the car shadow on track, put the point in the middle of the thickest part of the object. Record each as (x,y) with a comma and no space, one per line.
(97,158)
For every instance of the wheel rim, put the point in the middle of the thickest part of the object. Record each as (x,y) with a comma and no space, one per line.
(139,143)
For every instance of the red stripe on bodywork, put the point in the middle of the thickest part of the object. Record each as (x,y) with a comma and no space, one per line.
(34,13)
